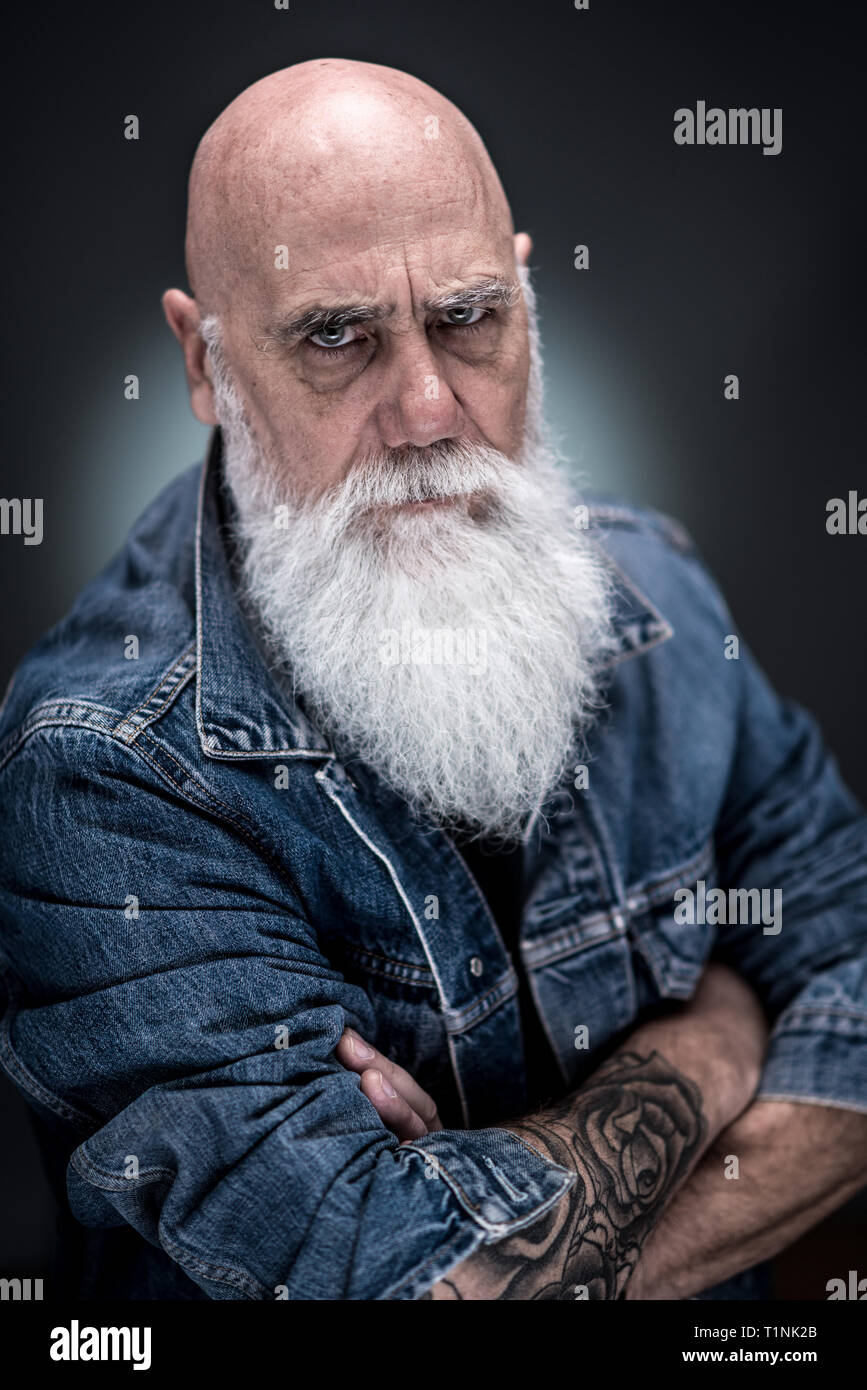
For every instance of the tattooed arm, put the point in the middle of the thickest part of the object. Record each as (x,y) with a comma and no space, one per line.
(631,1134)
(798,1162)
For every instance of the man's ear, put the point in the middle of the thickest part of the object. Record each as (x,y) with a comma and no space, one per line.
(523,247)
(183,318)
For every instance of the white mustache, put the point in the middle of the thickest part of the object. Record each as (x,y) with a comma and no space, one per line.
(444,471)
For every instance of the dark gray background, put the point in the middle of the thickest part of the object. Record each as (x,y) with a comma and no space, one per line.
(703,262)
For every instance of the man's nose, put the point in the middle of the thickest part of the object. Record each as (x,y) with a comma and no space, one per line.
(417,405)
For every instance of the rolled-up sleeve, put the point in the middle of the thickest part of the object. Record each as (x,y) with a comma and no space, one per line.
(301,1214)
(790,825)
(190,1039)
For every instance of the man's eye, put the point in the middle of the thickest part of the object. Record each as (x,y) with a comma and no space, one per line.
(464,316)
(333,336)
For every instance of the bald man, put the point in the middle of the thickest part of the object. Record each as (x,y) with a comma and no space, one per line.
(404,897)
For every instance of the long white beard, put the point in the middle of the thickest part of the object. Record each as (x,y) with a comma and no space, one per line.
(454,649)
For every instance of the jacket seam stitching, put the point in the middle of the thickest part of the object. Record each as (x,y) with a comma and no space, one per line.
(209,802)
(636,901)
(237,1275)
(15,1067)
(331,792)
(171,695)
(506,987)
(659,888)
(55,722)
(361,955)
(798,1011)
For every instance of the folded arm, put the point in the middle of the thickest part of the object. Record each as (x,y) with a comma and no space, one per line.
(631,1135)
(795,1163)
(790,825)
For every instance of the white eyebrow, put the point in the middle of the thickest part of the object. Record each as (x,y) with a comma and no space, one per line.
(490,291)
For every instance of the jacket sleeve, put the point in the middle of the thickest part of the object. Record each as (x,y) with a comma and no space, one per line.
(790,825)
(184,1024)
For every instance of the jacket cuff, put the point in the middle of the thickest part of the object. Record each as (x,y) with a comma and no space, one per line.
(500,1181)
(818,1056)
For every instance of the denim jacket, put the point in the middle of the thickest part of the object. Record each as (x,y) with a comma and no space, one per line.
(197,897)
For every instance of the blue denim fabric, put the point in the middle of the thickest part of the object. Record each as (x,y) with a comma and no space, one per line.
(180,1062)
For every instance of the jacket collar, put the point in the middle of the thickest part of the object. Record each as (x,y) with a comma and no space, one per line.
(242,711)
(637,624)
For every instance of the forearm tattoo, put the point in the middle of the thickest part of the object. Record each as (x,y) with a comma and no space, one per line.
(631,1134)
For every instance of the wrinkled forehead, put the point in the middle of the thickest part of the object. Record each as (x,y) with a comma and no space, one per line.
(350,197)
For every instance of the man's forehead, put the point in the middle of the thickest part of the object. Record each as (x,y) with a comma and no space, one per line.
(364,205)
(362,208)
(403,264)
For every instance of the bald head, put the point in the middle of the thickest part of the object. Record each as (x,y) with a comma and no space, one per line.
(319,155)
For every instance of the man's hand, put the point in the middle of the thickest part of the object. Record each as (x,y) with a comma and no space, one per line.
(402,1105)
(409,1112)
(666,1095)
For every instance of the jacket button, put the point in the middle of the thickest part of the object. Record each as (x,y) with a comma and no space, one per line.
(477,965)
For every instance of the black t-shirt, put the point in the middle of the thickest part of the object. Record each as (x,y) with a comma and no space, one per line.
(499,872)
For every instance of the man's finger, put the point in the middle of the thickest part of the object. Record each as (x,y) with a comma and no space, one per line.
(358,1055)
(395,1113)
